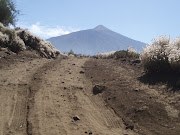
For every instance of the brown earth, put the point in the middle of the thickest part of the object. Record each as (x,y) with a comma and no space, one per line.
(144,103)
(55,97)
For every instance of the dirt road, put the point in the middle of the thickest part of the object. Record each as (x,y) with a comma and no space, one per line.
(53,97)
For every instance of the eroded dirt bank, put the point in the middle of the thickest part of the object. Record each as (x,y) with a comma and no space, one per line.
(53,97)
(147,109)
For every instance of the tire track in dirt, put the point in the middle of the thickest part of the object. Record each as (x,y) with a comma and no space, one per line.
(19,113)
(42,109)
(14,86)
(33,119)
(109,118)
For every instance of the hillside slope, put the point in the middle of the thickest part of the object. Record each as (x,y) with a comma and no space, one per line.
(93,41)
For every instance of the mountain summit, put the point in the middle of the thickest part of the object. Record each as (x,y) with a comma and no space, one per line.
(100,28)
(93,41)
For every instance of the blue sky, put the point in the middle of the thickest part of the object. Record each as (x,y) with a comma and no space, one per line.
(141,20)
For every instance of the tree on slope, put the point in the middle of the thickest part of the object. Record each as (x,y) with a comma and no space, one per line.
(8,12)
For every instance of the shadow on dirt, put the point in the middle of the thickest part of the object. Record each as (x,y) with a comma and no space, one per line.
(172,79)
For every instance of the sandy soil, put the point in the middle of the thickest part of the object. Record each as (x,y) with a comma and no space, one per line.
(43,97)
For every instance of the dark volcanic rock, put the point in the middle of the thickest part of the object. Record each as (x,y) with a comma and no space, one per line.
(98,89)
(76,118)
(81,72)
(136,61)
(130,127)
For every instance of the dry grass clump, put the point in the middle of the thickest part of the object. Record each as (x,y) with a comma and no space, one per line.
(174,54)
(131,50)
(9,38)
(162,55)
(4,38)
(105,55)
(17,41)
(132,53)
(43,47)
(129,53)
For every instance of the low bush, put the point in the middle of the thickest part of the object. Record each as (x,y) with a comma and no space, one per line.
(163,55)
(120,54)
(44,48)
(17,40)
(174,54)
(106,55)
(129,53)
(71,52)
(9,39)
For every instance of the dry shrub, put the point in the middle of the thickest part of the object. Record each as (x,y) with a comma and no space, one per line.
(45,48)
(162,55)
(129,53)
(174,54)
(9,39)
(105,55)
(17,41)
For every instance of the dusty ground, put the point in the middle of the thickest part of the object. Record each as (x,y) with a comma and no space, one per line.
(54,97)
(149,108)
(41,97)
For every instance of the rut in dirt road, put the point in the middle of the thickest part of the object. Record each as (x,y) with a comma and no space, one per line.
(14,89)
(34,86)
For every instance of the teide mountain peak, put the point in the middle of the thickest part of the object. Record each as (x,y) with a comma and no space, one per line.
(100,28)
(93,41)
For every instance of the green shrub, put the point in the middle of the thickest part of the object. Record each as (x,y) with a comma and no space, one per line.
(110,56)
(71,52)
(125,54)
(120,54)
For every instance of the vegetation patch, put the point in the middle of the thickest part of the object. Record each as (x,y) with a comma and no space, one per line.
(129,53)
(125,54)
(163,55)
(71,52)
